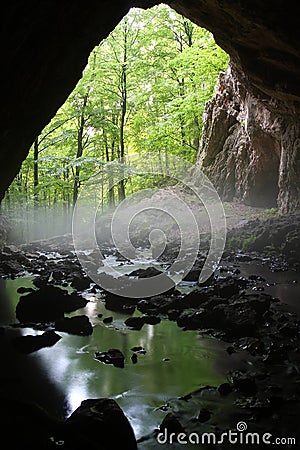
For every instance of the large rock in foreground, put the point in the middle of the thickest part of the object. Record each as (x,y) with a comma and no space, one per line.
(101,422)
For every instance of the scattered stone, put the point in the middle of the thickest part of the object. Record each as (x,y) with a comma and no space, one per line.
(112,356)
(161,304)
(47,304)
(108,319)
(24,290)
(192,275)
(136,323)
(151,320)
(79,325)
(196,319)
(30,343)
(138,349)
(134,358)
(204,415)
(225,389)
(121,304)
(80,282)
(171,424)
(145,273)
(244,383)
(230,350)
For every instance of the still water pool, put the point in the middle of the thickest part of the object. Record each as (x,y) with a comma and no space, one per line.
(58,378)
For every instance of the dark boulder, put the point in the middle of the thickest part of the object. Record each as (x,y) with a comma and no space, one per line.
(244,383)
(161,304)
(136,323)
(47,304)
(99,424)
(31,343)
(112,356)
(171,424)
(196,319)
(80,282)
(79,325)
(118,303)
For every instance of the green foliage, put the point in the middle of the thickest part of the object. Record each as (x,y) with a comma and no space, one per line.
(144,89)
(248,241)
(272,212)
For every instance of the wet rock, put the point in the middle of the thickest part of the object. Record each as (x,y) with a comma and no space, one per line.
(108,319)
(244,383)
(24,290)
(237,319)
(11,268)
(192,275)
(151,320)
(171,424)
(230,350)
(161,304)
(101,422)
(225,389)
(112,356)
(57,275)
(47,304)
(118,303)
(79,325)
(199,296)
(228,287)
(41,281)
(136,323)
(204,415)
(145,273)
(260,303)
(196,319)
(173,314)
(134,358)
(213,301)
(30,343)
(80,282)
(138,349)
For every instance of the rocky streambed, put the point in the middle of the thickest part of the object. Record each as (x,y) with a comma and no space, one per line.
(219,354)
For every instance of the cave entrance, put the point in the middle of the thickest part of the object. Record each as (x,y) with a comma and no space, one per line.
(144,89)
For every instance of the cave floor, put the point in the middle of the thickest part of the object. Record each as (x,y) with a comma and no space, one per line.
(249,308)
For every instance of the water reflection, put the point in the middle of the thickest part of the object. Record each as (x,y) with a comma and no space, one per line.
(282,285)
(175,363)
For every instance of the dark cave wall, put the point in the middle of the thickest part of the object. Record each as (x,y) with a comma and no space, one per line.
(46,44)
(45,47)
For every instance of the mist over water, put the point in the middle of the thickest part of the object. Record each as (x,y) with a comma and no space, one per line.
(27,223)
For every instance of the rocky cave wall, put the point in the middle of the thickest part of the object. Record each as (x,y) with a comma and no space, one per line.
(240,148)
(249,148)
(251,141)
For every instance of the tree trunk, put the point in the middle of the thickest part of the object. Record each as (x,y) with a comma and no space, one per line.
(80,147)
(36,172)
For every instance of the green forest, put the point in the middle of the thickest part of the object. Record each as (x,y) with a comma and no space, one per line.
(144,89)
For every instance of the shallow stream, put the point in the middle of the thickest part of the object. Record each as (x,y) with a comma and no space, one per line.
(175,362)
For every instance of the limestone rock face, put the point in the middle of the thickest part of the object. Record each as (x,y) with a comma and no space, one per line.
(249,148)
(240,146)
